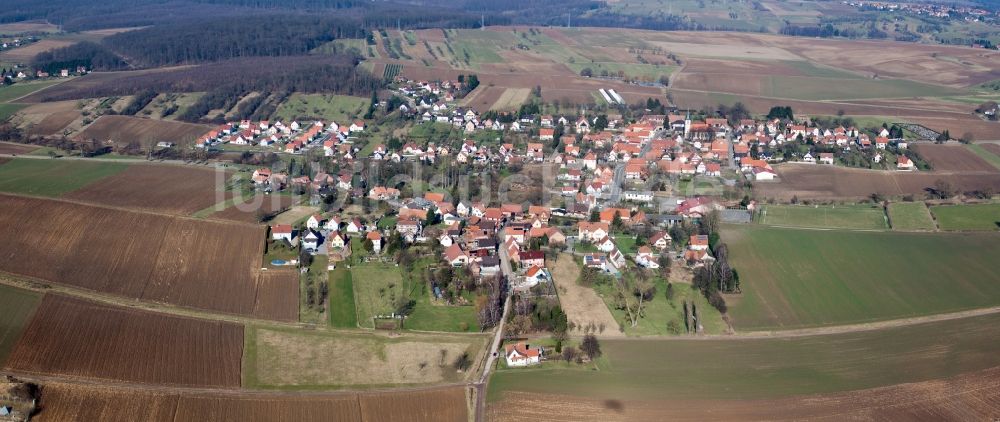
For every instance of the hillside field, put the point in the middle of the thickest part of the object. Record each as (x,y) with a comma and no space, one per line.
(793,278)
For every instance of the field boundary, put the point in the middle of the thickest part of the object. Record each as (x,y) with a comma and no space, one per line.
(126,209)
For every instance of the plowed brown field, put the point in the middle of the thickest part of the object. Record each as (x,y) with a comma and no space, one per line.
(9,148)
(834,182)
(169,189)
(124,129)
(69,402)
(75,337)
(953,158)
(974,396)
(277,295)
(201,264)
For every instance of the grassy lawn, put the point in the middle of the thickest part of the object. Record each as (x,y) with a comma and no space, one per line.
(625,243)
(377,288)
(910,216)
(53,177)
(793,278)
(825,216)
(16,308)
(985,155)
(311,281)
(660,311)
(295,359)
(343,313)
(430,316)
(768,368)
(20,89)
(967,217)
(338,108)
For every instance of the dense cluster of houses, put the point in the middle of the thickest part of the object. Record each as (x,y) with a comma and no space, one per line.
(291,138)
(764,137)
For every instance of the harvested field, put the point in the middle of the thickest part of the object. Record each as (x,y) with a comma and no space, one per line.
(980,130)
(78,338)
(194,263)
(511,99)
(972,396)
(280,358)
(12,148)
(295,214)
(582,305)
(161,188)
(254,209)
(125,129)
(483,97)
(953,158)
(28,52)
(835,182)
(65,402)
(48,118)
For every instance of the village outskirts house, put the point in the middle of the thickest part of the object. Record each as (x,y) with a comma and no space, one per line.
(522,354)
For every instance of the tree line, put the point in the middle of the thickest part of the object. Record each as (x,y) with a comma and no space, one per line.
(87,54)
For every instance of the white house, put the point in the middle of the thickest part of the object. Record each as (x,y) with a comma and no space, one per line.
(314,222)
(605,244)
(904,163)
(660,240)
(355,226)
(535,275)
(456,256)
(760,173)
(282,232)
(357,126)
(592,232)
(522,354)
(376,239)
(311,240)
(646,258)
